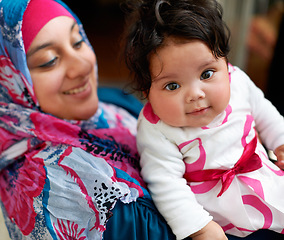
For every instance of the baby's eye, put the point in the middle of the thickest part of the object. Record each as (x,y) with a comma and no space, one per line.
(49,63)
(78,44)
(207,74)
(172,86)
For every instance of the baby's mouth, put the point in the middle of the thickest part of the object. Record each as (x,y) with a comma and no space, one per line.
(199,110)
(76,90)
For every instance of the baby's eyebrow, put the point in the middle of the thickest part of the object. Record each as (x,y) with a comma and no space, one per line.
(207,63)
(159,78)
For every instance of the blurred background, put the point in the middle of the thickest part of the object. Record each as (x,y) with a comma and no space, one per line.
(257,43)
(254,27)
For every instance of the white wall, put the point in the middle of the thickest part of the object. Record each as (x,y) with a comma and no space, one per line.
(237,15)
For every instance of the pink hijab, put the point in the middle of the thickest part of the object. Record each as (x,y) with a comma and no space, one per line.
(44,11)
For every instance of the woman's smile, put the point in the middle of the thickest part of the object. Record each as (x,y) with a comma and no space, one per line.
(77,90)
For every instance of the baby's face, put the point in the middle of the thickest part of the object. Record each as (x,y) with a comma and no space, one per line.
(63,70)
(190,87)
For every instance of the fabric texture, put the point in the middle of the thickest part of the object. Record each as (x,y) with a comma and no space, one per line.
(59,179)
(120,98)
(219,158)
(126,225)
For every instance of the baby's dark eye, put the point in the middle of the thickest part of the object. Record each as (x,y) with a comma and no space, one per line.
(207,74)
(172,86)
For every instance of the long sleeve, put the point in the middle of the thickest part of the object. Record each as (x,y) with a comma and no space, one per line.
(269,122)
(163,169)
(168,152)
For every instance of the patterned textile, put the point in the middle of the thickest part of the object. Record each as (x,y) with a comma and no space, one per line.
(59,179)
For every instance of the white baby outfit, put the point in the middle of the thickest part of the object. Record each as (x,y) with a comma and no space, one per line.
(253,192)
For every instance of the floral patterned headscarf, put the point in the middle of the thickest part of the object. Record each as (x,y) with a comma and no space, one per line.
(58,179)
(17,97)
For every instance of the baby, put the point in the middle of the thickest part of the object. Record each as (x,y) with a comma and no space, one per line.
(200,134)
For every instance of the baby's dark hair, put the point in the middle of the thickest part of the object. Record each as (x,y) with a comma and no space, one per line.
(150,22)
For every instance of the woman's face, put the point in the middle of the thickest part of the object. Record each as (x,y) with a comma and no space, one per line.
(63,70)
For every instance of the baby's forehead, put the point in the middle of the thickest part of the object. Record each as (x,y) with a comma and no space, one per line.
(181,55)
(176,41)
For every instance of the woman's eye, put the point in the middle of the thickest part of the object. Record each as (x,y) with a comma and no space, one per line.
(172,86)
(49,63)
(207,74)
(78,44)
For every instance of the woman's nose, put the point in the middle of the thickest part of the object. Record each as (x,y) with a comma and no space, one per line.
(77,65)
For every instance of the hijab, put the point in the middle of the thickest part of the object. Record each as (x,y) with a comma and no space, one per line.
(57,177)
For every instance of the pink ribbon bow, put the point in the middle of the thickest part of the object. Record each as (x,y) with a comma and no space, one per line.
(248,162)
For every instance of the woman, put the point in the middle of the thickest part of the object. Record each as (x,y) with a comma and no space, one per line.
(68,165)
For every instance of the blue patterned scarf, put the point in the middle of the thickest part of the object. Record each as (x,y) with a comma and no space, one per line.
(59,179)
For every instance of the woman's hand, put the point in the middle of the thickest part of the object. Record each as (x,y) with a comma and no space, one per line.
(279,152)
(212,231)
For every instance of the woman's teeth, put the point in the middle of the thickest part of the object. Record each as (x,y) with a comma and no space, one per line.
(76,90)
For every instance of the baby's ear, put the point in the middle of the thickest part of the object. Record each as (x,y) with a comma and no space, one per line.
(145,95)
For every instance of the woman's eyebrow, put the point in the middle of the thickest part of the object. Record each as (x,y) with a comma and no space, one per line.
(73,25)
(42,46)
(34,50)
